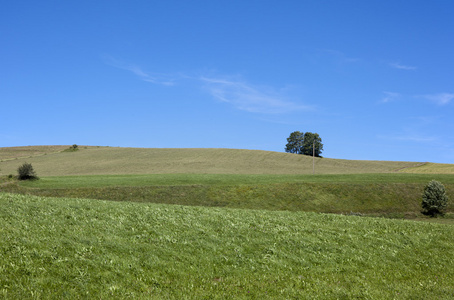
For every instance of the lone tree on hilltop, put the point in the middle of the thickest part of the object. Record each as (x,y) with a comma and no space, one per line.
(312,144)
(26,172)
(434,199)
(304,143)
(295,143)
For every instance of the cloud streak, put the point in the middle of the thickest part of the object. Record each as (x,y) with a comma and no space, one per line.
(139,72)
(440,99)
(247,97)
(402,67)
(389,97)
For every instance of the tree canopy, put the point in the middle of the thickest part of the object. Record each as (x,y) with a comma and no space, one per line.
(304,143)
(295,143)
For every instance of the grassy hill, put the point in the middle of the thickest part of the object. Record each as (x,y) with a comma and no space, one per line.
(174,228)
(47,161)
(227,178)
(76,248)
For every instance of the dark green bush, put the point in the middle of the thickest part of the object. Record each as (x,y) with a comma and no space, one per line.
(26,172)
(434,199)
(72,148)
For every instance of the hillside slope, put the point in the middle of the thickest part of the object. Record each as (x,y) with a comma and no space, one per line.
(115,160)
(431,168)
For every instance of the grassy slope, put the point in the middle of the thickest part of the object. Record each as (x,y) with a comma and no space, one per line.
(431,168)
(225,179)
(74,248)
(108,160)
(393,195)
(10,153)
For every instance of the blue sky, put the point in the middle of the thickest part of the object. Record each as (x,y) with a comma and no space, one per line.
(373,78)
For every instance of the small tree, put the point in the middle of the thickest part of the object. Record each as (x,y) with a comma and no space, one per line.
(72,148)
(26,172)
(434,199)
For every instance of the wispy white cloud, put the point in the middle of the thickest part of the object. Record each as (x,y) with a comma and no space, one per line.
(440,99)
(402,67)
(239,93)
(389,97)
(155,78)
(247,97)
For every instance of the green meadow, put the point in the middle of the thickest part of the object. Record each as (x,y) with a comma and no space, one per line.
(107,222)
(226,179)
(392,195)
(79,248)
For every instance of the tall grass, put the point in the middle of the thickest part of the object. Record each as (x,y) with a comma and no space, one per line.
(75,248)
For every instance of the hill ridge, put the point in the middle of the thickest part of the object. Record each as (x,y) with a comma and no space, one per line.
(98,160)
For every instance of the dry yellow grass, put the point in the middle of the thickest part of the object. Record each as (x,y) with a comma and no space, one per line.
(113,160)
(7,153)
(431,168)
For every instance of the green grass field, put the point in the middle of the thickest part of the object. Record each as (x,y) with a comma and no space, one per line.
(221,224)
(76,248)
(392,195)
(226,179)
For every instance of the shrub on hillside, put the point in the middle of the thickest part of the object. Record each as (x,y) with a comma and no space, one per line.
(434,199)
(26,172)
(72,148)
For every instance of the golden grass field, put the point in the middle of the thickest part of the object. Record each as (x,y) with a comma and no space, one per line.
(92,160)
(431,168)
